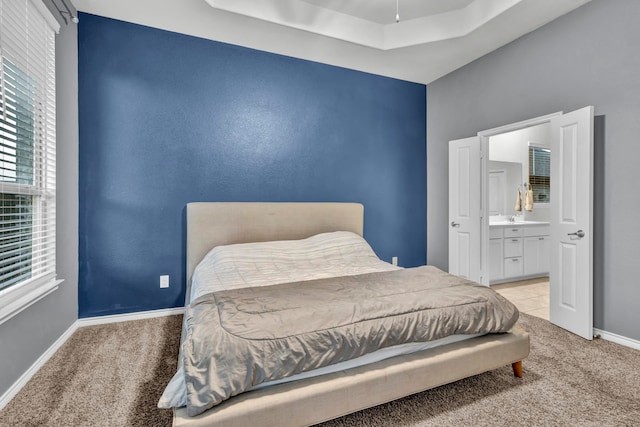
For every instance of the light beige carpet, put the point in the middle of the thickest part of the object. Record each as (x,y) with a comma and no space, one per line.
(106,375)
(112,375)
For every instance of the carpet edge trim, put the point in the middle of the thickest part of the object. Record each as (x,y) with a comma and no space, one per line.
(618,339)
(35,367)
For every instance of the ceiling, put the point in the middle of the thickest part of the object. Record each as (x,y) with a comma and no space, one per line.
(433,37)
(384,11)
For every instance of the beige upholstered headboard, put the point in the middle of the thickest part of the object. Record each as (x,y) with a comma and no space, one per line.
(211,224)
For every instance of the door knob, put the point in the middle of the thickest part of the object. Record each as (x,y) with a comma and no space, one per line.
(455,224)
(578,233)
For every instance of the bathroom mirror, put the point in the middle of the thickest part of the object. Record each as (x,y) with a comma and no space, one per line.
(504,180)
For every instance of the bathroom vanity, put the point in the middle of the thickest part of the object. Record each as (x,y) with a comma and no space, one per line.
(518,250)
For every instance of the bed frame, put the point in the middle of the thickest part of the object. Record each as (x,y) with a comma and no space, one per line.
(313,400)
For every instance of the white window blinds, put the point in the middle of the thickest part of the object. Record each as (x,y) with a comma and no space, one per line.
(27,145)
(540,173)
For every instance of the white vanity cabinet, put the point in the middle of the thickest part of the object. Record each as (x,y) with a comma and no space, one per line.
(536,251)
(518,251)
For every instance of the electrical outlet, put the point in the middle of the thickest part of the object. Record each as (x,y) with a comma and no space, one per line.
(164,281)
(394,260)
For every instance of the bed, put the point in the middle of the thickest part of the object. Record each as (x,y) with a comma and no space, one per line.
(315,399)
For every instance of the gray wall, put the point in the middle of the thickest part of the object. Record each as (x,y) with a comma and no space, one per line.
(25,337)
(587,57)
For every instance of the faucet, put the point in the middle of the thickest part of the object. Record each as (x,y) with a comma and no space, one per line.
(512,218)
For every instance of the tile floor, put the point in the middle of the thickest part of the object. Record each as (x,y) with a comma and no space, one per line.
(530,296)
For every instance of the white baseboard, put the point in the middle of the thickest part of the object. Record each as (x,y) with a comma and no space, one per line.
(24,378)
(100,320)
(618,339)
(115,318)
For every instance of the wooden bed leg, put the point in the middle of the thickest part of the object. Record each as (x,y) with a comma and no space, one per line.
(517,368)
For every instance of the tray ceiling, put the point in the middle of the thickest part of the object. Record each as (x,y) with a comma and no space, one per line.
(433,37)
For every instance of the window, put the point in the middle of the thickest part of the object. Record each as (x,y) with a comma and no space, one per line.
(540,173)
(27,154)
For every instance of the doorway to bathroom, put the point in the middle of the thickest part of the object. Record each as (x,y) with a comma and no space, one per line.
(559,223)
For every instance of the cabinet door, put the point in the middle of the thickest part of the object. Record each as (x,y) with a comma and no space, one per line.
(495,259)
(531,255)
(536,255)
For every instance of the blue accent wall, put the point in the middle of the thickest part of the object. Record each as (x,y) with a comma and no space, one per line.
(167,119)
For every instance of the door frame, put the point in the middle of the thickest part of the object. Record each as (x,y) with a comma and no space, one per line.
(484,185)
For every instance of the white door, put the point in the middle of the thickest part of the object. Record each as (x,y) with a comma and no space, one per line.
(571,278)
(464,208)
